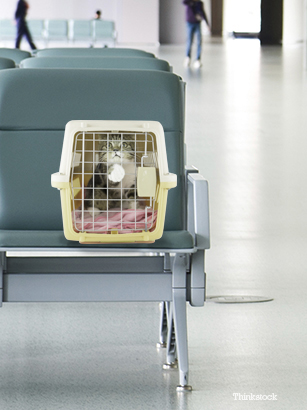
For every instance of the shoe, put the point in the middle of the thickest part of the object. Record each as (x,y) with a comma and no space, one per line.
(197,64)
(187,62)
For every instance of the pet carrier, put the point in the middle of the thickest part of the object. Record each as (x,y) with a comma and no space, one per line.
(113,180)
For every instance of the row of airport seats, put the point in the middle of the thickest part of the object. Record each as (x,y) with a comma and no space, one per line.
(37,263)
(93,31)
(83,58)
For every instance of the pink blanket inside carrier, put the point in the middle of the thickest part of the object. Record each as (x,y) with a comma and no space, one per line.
(123,221)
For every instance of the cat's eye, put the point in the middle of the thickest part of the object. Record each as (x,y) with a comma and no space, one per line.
(125,145)
(110,145)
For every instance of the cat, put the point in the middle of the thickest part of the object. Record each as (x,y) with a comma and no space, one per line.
(113,184)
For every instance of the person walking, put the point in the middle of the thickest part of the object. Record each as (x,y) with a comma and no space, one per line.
(22,26)
(195,13)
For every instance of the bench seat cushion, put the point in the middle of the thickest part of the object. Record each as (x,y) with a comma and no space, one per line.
(55,239)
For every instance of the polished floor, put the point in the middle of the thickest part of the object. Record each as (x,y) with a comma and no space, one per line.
(246,132)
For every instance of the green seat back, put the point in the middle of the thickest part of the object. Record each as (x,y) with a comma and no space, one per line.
(56,29)
(14,54)
(7,29)
(97,62)
(103,29)
(6,63)
(94,51)
(35,106)
(36,28)
(80,29)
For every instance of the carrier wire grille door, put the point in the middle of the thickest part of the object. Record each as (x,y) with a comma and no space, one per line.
(114,181)
(106,165)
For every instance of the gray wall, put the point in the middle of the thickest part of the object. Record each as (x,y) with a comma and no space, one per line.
(172,23)
(172,28)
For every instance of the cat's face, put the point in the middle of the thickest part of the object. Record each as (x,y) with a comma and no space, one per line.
(116,148)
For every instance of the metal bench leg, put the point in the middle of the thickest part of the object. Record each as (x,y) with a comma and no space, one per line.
(163,325)
(180,318)
(171,353)
(180,322)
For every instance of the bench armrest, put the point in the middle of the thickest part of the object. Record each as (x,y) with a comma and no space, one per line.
(198,209)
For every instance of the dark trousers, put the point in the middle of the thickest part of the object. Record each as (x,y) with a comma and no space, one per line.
(23,30)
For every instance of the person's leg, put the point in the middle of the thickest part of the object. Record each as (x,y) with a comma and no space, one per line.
(190,36)
(20,29)
(199,40)
(197,63)
(29,37)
